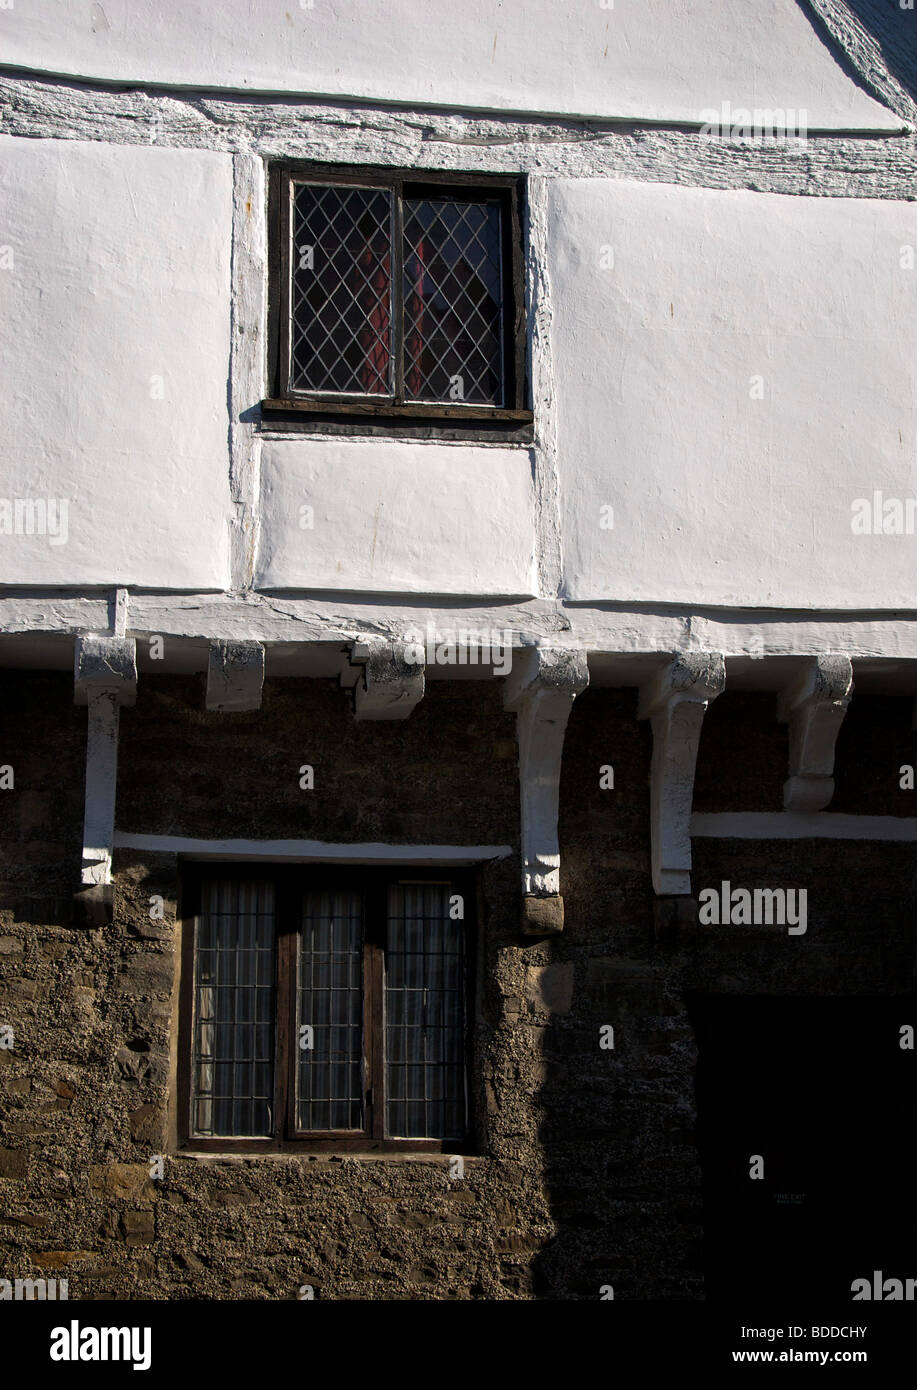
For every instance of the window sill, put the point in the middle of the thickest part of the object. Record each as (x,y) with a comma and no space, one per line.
(471,423)
(313,1156)
(337,1146)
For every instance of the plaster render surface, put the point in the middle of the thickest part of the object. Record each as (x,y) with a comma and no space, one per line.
(652,61)
(393,517)
(720,496)
(114,361)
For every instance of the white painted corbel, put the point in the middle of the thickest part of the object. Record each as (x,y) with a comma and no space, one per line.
(675,701)
(814,705)
(235,676)
(392,679)
(541,688)
(105,677)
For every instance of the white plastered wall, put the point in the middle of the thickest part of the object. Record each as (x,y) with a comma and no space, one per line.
(385,516)
(669,305)
(662,60)
(114,359)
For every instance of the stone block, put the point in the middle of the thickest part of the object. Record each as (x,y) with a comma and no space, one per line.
(14,1164)
(542,916)
(128,1181)
(138,1227)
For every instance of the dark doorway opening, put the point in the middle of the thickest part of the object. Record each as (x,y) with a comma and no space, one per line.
(822,1090)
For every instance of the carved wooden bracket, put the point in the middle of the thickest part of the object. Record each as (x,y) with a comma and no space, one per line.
(541,688)
(392,681)
(814,705)
(675,701)
(105,678)
(235,676)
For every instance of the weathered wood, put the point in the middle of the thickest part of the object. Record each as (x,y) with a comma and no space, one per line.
(675,701)
(105,677)
(541,688)
(814,706)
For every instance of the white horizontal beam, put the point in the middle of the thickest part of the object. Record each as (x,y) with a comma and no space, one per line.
(789,825)
(312,851)
(609,628)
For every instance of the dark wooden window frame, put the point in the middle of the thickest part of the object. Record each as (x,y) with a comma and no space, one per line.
(288,880)
(287,410)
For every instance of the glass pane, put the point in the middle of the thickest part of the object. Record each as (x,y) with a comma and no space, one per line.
(234,1001)
(424,1015)
(330,1072)
(453,302)
(341,291)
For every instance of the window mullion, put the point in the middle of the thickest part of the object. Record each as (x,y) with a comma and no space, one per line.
(286,283)
(514,292)
(375,1049)
(398,288)
(287,1051)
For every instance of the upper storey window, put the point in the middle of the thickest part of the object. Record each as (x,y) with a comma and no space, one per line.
(397,301)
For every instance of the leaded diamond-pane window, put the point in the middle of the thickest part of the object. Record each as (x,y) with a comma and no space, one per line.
(453,302)
(398,295)
(327,1008)
(342,290)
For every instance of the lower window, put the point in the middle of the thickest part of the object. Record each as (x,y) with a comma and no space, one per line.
(326,1010)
